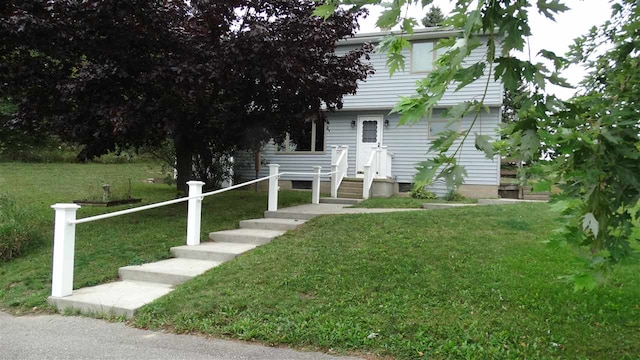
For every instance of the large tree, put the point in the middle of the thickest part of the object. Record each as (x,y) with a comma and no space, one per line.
(211,76)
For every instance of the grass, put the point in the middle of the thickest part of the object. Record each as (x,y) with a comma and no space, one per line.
(104,246)
(460,283)
(405,202)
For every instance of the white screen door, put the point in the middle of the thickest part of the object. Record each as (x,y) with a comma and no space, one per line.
(369,137)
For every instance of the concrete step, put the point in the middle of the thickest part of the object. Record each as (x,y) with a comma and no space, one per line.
(246,236)
(350,195)
(338,200)
(212,251)
(271,224)
(116,298)
(289,215)
(350,186)
(170,271)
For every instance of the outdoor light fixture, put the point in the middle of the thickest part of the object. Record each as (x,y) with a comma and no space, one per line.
(353,124)
(386,123)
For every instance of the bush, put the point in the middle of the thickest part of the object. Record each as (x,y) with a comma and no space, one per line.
(422,193)
(17,230)
(453,196)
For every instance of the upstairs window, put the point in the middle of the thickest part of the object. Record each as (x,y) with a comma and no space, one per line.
(423,56)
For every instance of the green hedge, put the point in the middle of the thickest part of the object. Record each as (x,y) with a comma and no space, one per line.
(18,232)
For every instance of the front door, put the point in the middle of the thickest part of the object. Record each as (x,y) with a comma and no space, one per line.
(369,138)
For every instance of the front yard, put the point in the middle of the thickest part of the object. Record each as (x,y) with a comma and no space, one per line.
(474,282)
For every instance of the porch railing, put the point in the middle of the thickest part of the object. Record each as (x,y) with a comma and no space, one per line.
(66,221)
(339,166)
(378,166)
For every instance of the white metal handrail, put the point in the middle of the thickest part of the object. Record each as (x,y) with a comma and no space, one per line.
(339,166)
(168,202)
(65,222)
(369,172)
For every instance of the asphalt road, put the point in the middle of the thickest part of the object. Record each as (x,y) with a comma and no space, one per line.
(70,337)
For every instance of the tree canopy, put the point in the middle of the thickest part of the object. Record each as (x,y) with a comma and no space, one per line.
(433,17)
(210,76)
(592,140)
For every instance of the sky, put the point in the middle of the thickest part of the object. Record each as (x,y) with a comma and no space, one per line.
(546,34)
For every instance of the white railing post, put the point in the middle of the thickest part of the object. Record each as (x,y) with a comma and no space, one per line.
(273,187)
(194,213)
(64,239)
(334,171)
(378,163)
(315,185)
(382,169)
(365,182)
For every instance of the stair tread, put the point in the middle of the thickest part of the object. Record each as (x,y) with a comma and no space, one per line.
(277,221)
(251,232)
(175,266)
(120,297)
(216,246)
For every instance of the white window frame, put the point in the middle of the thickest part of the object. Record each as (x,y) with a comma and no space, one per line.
(287,143)
(433,60)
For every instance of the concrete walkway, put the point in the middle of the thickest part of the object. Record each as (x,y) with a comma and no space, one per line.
(72,337)
(309,211)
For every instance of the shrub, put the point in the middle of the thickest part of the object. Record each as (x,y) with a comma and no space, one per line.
(18,232)
(453,196)
(422,193)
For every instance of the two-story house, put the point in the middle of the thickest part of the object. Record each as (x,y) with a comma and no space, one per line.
(365,125)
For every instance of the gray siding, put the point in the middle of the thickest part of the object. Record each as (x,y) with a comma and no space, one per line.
(380,91)
(408,143)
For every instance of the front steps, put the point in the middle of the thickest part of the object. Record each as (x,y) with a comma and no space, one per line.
(141,284)
(351,188)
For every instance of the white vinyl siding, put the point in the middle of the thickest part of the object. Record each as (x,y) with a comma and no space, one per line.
(380,91)
(408,143)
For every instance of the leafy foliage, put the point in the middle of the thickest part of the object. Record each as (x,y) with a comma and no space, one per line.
(422,193)
(211,76)
(592,141)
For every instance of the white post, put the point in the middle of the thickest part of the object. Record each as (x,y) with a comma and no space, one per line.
(334,154)
(365,182)
(383,162)
(64,239)
(378,163)
(315,186)
(334,171)
(273,187)
(194,213)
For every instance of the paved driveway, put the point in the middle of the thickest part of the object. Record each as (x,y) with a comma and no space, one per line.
(70,337)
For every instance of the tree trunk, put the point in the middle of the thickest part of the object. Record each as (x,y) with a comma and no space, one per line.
(184,163)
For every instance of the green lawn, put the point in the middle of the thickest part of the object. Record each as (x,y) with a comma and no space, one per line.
(406,202)
(104,246)
(474,283)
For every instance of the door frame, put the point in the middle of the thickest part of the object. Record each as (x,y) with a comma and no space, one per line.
(361,118)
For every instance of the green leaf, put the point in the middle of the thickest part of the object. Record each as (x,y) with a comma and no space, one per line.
(444,141)
(590,222)
(549,9)
(542,185)
(483,143)
(426,171)
(530,143)
(389,18)
(325,10)
(466,76)
(457,111)
(412,109)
